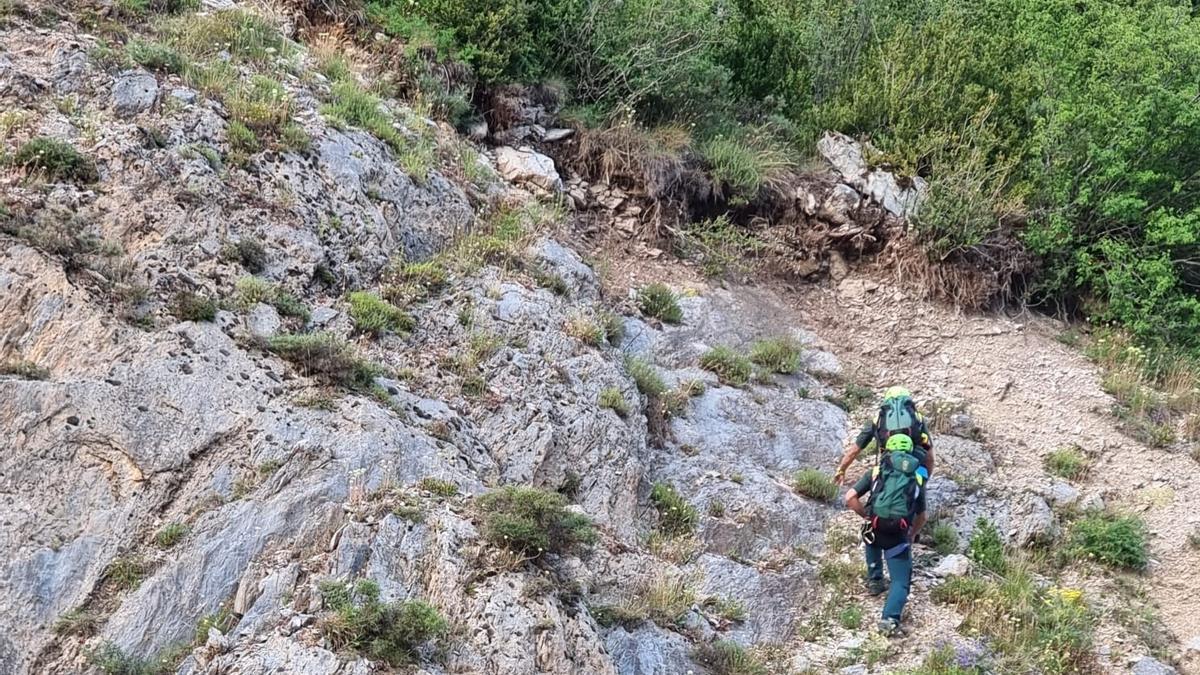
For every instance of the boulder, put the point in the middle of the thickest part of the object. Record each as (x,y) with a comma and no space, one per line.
(953,565)
(1148,665)
(649,650)
(554,258)
(263,321)
(1062,494)
(133,92)
(840,205)
(898,196)
(556,135)
(1032,521)
(529,167)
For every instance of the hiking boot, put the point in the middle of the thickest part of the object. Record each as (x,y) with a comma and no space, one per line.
(876,586)
(888,627)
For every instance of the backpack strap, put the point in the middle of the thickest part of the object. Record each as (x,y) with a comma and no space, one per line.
(881,430)
(914,431)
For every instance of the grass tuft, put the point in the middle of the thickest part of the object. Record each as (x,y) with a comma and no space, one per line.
(814,484)
(676,517)
(1068,463)
(56,160)
(725,657)
(613,399)
(646,376)
(170,535)
(660,302)
(188,306)
(944,538)
(730,367)
(1114,540)
(25,370)
(325,355)
(374,315)
(779,355)
(986,547)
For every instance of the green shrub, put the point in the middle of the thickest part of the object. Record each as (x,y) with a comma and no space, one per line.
(676,517)
(944,538)
(1069,463)
(1116,541)
(25,370)
(325,355)
(531,521)
(252,290)
(188,306)
(170,534)
(986,547)
(613,399)
(156,56)
(646,376)
(850,617)
(725,657)
(660,302)
(390,632)
(261,105)
(814,484)
(372,314)
(731,368)
(729,609)
(242,139)
(780,355)
(56,160)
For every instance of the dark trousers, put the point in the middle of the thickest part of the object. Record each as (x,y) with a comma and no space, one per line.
(899,568)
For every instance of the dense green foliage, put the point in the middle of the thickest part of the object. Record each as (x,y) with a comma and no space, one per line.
(1074,120)
(531,522)
(392,632)
(675,515)
(1118,541)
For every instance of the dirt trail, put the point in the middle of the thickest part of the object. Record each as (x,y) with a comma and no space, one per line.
(1029,394)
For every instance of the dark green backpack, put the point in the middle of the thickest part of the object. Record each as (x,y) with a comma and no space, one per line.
(897,416)
(894,491)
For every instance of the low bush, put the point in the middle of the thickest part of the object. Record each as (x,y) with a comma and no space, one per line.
(372,314)
(1068,463)
(747,163)
(986,547)
(614,400)
(727,608)
(532,522)
(850,617)
(351,105)
(730,367)
(959,591)
(660,302)
(249,252)
(253,290)
(944,538)
(157,57)
(779,355)
(1114,540)
(814,484)
(439,487)
(676,517)
(391,632)
(126,572)
(56,160)
(725,657)
(25,370)
(327,356)
(109,659)
(78,622)
(188,306)
(586,330)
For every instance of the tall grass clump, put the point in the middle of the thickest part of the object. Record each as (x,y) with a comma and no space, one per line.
(660,302)
(814,484)
(391,632)
(730,367)
(532,522)
(676,517)
(779,355)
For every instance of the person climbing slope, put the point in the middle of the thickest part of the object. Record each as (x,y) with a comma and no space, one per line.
(894,514)
(897,414)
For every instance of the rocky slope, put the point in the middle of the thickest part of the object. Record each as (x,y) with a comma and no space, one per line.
(273,477)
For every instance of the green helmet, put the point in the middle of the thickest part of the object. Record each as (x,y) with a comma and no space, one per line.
(896,392)
(899,443)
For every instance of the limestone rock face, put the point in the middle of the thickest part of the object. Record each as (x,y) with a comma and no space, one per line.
(526,166)
(134,92)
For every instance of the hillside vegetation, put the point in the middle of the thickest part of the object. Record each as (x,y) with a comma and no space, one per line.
(1069,129)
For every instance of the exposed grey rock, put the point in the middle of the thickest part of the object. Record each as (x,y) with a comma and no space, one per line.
(858,669)
(900,197)
(184,95)
(134,91)
(18,85)
(556,135)
(322,316)
(557,259)
(953,565)
(1032,521)
(767,618)
(962,457)
(70,66)
(529,167)
(1148,665)
(649,650)
(270,594)
(962,424)
(263,321)
(1060,493)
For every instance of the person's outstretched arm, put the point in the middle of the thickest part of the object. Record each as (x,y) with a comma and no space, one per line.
(854,503)
(848,457)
